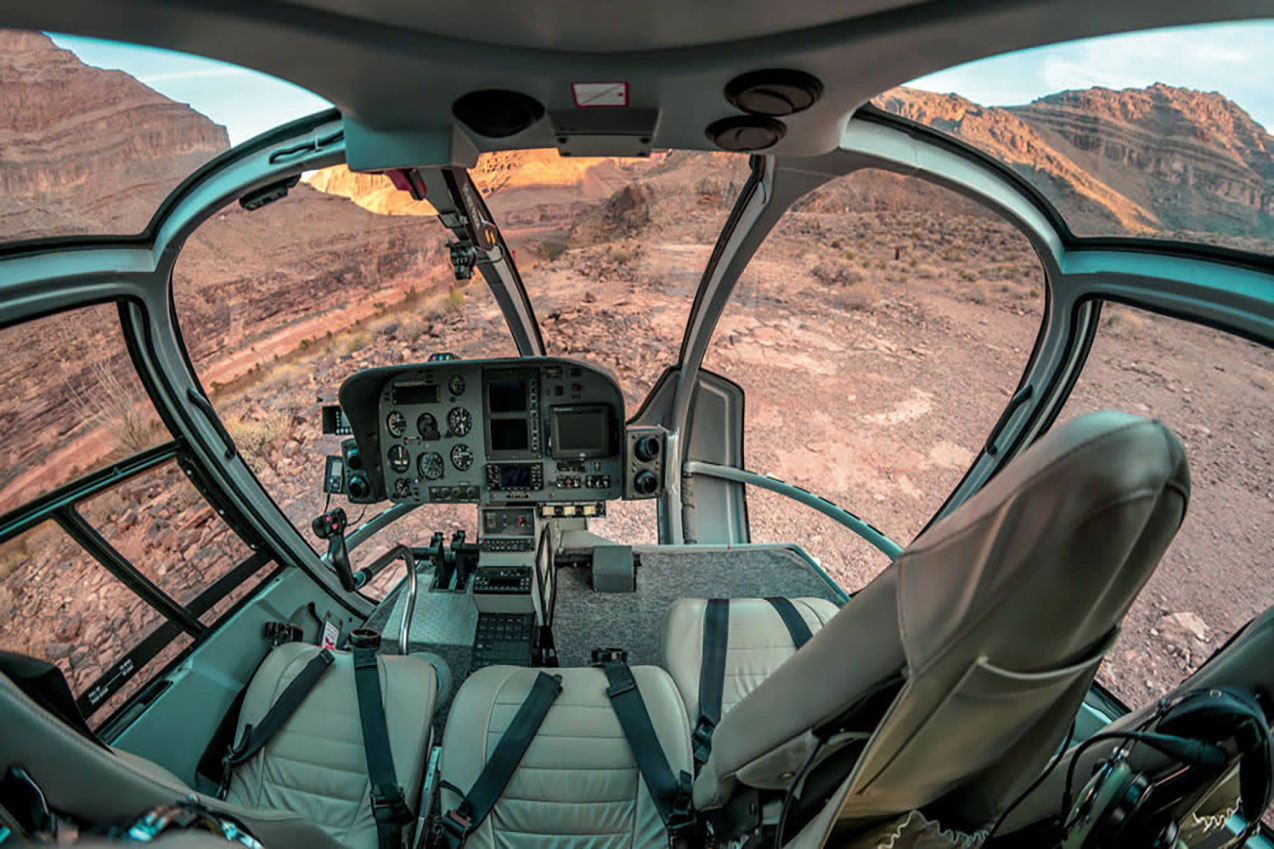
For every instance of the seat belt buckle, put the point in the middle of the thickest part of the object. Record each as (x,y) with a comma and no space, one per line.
(701,739)
(455,827)
(389,806)
(682,822)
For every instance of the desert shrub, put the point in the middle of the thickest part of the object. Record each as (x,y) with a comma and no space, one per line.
(860,297)
(255,436)
(836,272)
(1123,324)
(977,293)
(356,343)
(454,302)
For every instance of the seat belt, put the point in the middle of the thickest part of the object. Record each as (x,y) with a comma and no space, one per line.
(462,820)
(792,620)
(670,792)
(256,736)
(716,637)
(389,806)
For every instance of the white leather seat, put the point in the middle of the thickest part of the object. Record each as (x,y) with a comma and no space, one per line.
(316,765)
(757,643)
(306,789)
(577,784)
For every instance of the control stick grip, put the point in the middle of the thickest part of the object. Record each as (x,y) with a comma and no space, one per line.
(331,527)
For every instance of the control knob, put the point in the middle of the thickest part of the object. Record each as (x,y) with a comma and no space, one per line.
(646,482)
(646,448)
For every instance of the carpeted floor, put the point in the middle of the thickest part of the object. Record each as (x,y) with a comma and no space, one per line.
(585,620)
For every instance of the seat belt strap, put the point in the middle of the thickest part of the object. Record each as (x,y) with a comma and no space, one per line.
(716,637)
(256,736)
(389,807)
(459,822)
(792,620)
(670,792)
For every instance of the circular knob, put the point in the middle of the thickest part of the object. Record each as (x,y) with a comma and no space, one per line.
(359,487)
(646,448)
(646,482)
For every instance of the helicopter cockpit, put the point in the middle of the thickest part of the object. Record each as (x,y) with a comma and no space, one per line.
(691,429)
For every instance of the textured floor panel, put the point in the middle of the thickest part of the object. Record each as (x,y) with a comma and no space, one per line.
(585,620)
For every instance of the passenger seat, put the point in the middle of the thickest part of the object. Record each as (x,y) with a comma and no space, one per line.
(755,635)
(316,765)
(578,783)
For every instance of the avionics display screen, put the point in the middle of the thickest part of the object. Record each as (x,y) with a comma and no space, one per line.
(513,522)
(415,393)
(515,477)
(581,431)
(506,396)
(509,435)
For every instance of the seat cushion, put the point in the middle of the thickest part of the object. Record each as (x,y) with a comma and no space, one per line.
(758,644)
(316,765)
(578,781)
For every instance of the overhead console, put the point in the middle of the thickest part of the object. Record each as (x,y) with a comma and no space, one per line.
(533,429)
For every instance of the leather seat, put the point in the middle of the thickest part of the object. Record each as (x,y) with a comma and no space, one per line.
(578,783)
(948,681)
(316,765)
(757,643)
(307,788)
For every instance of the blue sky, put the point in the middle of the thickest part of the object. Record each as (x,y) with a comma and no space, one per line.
(1234,59)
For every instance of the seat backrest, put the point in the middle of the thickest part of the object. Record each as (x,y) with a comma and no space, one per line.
(316,764)
(996,617)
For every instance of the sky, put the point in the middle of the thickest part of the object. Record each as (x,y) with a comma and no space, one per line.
(1233,59)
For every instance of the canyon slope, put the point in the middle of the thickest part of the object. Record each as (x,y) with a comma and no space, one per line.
(1159,161)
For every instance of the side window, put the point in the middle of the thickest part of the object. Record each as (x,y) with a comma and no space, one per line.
(278,306)
(878,334)
(1216,392)
(109,580)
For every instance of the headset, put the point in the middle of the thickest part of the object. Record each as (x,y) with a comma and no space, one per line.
(1121,807)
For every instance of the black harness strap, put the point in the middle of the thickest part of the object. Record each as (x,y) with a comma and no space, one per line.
(716,634)
(256,736)
(670,792)
(459,822)
(389,808)
(795,624)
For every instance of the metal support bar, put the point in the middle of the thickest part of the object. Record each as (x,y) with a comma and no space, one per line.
(104,553)
(860,527)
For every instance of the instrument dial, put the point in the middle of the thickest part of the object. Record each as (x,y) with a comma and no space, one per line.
(402,488)
(459,421)
(461,457)
(430,466)
(427,427)
(456,385)
(396,423)
(399,458)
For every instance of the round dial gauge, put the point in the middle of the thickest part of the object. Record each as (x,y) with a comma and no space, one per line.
(459,421)
(430,465)
(396,423)
(427,427)
(456,384)
(402,488)
(399,458)
(461,457)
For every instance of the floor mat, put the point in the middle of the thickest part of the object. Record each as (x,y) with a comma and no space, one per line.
(585,620)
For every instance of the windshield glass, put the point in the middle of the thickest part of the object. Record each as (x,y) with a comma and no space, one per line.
(1159,134)
(95,134)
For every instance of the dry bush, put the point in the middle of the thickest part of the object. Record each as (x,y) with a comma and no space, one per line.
(287,374)
(836,272)
(1123,324)
(255,436)
(454,302)
(977,293)
(110,401)
(860,297)
(356,343)
(413,327)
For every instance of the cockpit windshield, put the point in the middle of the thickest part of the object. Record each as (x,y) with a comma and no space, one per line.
(104,131)
(1161,134)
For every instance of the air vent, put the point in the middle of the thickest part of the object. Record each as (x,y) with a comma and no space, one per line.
(744,133)
(774,93)
(497,113)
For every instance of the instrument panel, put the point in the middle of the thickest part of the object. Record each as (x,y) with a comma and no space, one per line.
(533,429)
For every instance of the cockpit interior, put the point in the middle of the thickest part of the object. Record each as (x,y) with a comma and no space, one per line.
(672,425)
